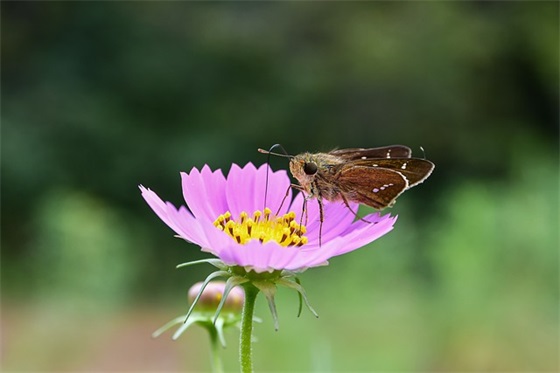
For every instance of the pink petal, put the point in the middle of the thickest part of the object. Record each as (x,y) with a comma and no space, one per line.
(215,183)
(239,188)
(186,226)
(195,194)
(278,187)
(336,217)
(260,257)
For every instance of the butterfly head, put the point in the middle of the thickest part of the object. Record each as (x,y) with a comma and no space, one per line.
(304,167)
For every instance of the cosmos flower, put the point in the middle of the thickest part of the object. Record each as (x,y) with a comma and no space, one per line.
(261,238)
(229,218)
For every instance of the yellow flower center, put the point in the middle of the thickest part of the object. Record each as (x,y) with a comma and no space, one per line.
(263,227)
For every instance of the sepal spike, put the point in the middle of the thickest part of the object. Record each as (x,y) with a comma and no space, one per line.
(230,284)
(269,290)
(296,286)
(210,277)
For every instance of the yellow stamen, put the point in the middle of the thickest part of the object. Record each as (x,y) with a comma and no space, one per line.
(263,226)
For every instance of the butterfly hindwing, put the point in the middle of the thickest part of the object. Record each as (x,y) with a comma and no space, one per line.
(415,170)
(375,187)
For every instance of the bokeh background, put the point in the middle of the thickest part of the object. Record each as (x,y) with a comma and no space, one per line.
(98,97)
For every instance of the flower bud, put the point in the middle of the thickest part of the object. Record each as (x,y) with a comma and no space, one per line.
(212,295)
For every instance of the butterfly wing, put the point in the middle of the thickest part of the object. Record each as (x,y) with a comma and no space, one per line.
(373,186)
(415,170)
(393,151)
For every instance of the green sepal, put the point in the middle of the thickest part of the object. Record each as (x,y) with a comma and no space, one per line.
(167,326)
(215,262)
(210,277)
(296,286)
(269,290)
(231,282)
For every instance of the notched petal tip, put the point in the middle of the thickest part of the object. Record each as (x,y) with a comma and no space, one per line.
(249,166)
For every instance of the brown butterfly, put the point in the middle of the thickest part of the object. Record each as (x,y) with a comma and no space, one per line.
(374,177)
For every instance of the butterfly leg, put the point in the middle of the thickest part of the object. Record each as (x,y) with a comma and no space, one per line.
(295,186)
(284,200)
(321,217)
(303,212)
(353,212)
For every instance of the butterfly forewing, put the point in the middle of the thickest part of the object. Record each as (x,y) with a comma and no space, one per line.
(415,170)
(393,151)
(375,187)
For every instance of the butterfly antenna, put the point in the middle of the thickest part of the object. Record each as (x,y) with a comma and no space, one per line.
(266,182)
(423,152)
(269,152)
(284,153)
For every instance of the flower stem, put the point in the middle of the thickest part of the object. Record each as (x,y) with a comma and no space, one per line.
(215,350)
(245,351)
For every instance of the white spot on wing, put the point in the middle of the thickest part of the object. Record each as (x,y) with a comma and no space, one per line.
(385,186)
(364,157)
(403,167)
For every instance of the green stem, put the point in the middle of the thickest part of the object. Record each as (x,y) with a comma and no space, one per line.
(215,350)
(245,351)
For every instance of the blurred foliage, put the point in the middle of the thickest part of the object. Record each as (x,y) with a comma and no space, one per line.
(77,237)
(98,97)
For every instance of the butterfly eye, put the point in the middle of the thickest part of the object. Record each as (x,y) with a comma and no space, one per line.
(310,168)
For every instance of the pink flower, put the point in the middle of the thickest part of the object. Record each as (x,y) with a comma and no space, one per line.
(228,218)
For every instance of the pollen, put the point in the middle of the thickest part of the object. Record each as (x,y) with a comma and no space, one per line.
(263,226)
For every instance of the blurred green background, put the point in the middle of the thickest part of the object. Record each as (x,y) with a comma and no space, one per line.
(98,97)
